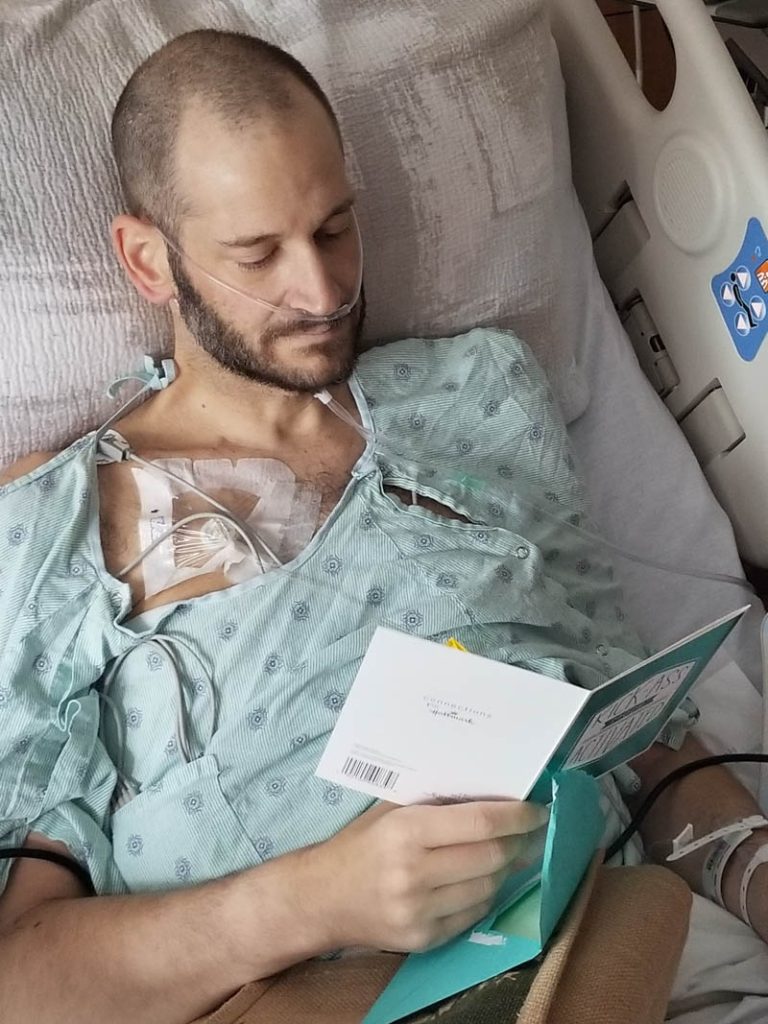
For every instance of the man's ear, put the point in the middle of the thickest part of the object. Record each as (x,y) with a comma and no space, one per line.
(142,254)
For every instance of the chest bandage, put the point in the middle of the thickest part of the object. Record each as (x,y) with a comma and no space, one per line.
(262,493)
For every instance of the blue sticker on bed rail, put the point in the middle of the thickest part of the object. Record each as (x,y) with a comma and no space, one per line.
(741,292)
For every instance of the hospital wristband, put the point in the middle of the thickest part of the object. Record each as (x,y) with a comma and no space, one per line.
(715,864)
(760,857)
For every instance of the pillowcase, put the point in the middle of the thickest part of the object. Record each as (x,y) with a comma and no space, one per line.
(448,111)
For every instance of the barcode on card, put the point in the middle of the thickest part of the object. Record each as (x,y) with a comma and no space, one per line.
(373,774)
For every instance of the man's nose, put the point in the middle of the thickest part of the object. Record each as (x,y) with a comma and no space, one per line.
(314,288)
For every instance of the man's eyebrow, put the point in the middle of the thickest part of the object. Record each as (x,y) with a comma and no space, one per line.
(249,241)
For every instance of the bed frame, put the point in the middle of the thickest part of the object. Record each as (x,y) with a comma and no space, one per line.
(677,203)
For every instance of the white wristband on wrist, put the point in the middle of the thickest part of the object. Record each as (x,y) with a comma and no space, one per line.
(714,866)
(725,840)
(760,857)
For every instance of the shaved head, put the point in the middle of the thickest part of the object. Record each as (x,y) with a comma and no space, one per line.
(227,147)
(238,78)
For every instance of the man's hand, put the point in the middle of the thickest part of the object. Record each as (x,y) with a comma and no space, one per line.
(407,878)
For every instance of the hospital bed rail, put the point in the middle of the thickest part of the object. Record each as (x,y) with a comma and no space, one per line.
(677,201)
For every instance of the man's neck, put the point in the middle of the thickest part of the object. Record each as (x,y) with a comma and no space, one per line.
(202,411)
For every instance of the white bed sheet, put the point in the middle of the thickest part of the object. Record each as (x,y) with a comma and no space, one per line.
(713,988)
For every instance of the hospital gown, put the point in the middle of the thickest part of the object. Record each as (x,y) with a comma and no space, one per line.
(266,664)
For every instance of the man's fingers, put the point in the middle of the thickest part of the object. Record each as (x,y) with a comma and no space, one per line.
(448,927)
(476,821)
(449,900)
(448,865)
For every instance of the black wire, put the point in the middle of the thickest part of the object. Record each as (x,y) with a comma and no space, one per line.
(677,773)
(61,859)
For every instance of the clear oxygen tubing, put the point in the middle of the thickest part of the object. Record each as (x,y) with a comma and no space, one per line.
(637,26)
(291,312)
(375,438)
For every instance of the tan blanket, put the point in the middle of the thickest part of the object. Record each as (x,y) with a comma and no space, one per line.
(613,961)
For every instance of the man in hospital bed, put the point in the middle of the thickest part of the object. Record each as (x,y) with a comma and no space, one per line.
(409,491)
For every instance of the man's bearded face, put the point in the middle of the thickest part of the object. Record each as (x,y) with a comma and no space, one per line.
(296,355)
(268,214)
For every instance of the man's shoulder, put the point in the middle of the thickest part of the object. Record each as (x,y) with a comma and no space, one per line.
(479,342)
(432,366)
(43,470)
(24,466)
(480,395)
(44,509)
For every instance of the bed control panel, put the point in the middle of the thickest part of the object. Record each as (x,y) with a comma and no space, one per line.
(741,292)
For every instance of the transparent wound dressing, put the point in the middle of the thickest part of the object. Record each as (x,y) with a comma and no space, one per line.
(264,494)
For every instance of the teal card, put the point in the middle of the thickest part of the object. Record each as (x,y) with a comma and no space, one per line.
(623,717)
(516,931)
(616,722)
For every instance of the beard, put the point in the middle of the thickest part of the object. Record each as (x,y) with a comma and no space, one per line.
(260,362)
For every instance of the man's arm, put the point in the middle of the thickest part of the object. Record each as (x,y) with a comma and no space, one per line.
(403,878)
(141,959)
(706,799)
(162,958)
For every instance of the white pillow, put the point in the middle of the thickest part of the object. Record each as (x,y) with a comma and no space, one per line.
(447,110)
